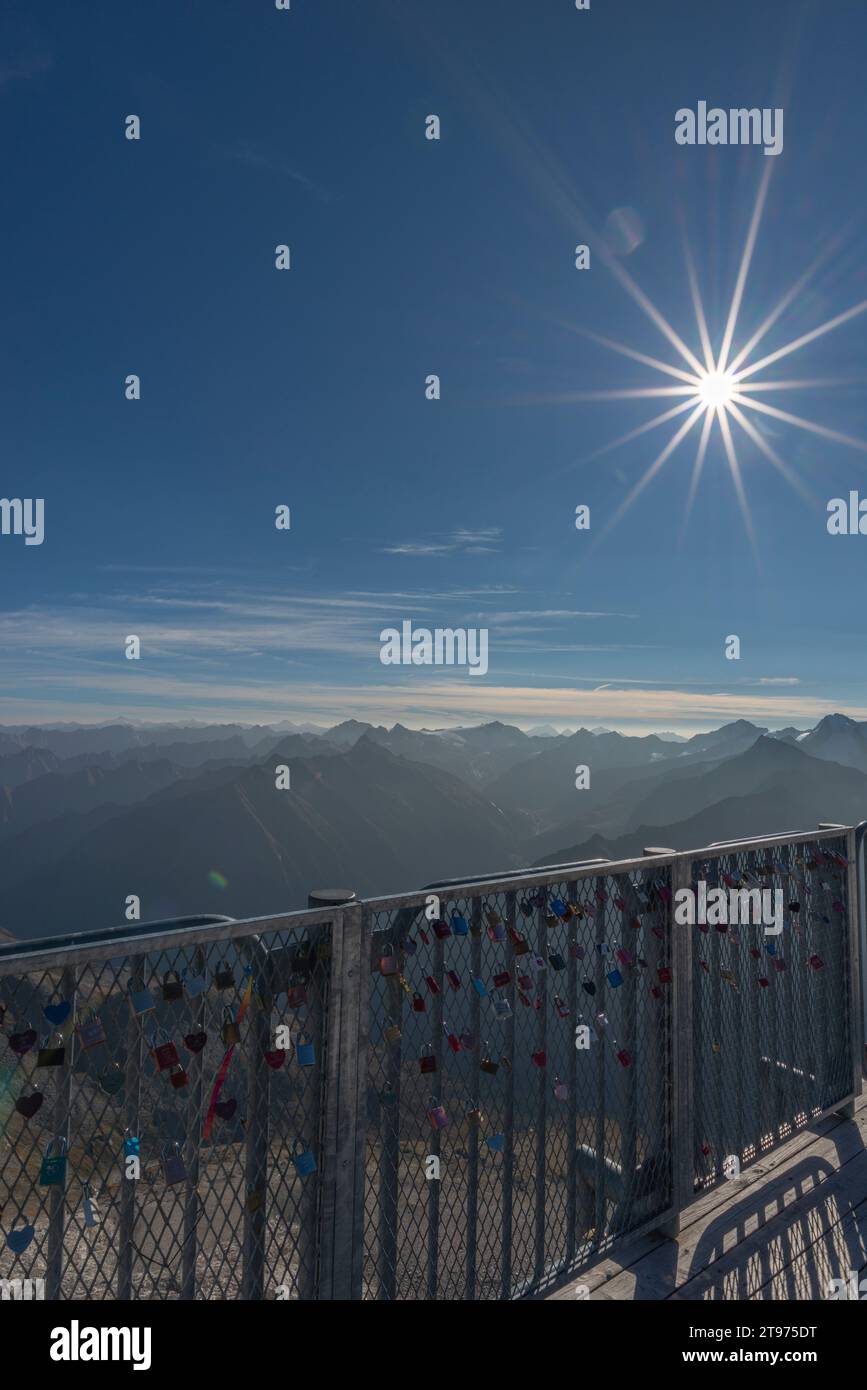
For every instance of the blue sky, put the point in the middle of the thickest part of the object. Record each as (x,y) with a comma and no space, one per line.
(410,257)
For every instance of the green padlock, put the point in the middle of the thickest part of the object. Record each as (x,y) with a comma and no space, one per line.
(52,1172)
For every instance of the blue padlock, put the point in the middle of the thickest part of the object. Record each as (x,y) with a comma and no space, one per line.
(460,926)
(614,978)
(479,987)
(305,1163)
(305,1052)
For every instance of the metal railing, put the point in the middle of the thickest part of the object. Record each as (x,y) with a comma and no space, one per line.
(463,1093)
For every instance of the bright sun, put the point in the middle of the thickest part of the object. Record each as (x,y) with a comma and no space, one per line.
(716,389)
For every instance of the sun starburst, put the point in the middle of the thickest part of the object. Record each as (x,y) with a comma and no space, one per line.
(719,391)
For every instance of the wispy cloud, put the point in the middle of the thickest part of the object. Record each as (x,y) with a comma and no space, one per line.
(258,156)
(484,541)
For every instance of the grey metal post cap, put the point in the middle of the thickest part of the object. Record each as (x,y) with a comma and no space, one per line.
(330,897)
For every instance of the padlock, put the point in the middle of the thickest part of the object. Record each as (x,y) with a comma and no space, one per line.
(418,1004)
(454,979)
(195,985)
(48,1056)
(437,1115)
(111,1078)
(474,1117)
(496,1142)
(502,1007)
(755,953)
(194,1042)
(305,1052)
(442,930)
(55,1013)
(388,1096)
(91,1215)
(623,956)
(165,1054)
(91,1033)
(501,979)
(525,981)
(468,1040)
(524,998)
(296,995)
(487,1063)
(624,1058)
(764,981)
(141,1002)
(779,965)
(479,987)
(174,1168)
(424,936)
(18,1240)
(179,1078)
(452,1039)
(427,1062)
(224,978)
(540,1058)
(664,974)
(460,925)
(519,944)
(226,1108)
(432,984)
(561,1090)
(620,904)
(131,1145)
(230,1032)
(391,1034)
(388,963)
(275,1057)
(561,1007)
(496,929)
(576,951)
(28,1105)
(52,1171)
(172,988)
(588,987)
(614,978)
(656,992)
(556,961)
(23,1040)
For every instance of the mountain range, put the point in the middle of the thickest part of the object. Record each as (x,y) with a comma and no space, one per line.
(193,819)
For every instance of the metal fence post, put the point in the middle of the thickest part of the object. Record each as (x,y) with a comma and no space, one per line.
(324,1028)
(681,1048)
(344,1125)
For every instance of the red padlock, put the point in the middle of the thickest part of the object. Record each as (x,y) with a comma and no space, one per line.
(418,1004)
(502,979)
(540,1058)
(165,1055)
(432,984)
(427,1062)
(454,979)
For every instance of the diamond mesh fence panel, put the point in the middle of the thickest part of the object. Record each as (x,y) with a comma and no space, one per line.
(519,1089)
(161,1136)
(771,1011)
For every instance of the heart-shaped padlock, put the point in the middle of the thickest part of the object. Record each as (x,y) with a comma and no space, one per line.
(23,1041)
(28,1105)
(194,1042)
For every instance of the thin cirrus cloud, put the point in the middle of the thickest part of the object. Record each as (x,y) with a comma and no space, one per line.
(483,541)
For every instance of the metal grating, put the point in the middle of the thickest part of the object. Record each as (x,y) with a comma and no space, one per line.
(564,1148)
(771,1016)
(132,1049)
